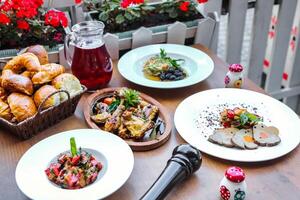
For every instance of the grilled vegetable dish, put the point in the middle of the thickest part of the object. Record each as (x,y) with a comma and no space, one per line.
(239,118)
(74,169)
(126,114)
(164,68)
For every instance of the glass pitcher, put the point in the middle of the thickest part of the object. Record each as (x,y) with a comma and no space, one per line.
(90,61)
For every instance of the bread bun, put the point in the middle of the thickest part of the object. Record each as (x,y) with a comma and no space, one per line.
(69,83)
(28,74)
(40,52)
(3,94)
(48,73)
(42,93)
(16,83)
(29,61)
(21,106)
(5,112)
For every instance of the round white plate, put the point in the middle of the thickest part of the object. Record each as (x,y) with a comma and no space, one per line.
(196,117)
(198,65)
(115,155)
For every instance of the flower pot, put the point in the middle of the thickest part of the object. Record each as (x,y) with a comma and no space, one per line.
(198,30)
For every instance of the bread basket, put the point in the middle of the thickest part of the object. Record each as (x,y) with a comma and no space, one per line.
(44,118)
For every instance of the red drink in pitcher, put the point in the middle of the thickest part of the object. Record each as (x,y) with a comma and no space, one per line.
(91,63)
(92,66)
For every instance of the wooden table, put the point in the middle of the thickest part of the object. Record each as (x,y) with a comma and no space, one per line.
(277,179)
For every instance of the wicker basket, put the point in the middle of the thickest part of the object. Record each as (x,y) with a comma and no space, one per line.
(44,118)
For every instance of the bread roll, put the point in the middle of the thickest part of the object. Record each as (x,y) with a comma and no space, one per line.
(42,93)
(21,106)
(29,61)
(5,112)
(3,94)
(40,52)
(28,74)
(16,83)
(69,83)
(48,73)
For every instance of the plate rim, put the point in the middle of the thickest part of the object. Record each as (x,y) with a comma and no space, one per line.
(233,158)
(78,131)
(135,145)
(165,87)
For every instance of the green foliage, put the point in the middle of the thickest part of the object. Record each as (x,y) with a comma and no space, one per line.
(118,19)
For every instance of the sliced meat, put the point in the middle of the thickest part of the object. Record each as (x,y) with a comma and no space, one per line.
(223,136)
(243,139)
(266,135)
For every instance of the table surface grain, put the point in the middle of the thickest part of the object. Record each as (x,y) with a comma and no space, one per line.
(277,179)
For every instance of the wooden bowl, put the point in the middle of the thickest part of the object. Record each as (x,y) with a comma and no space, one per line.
(135,145)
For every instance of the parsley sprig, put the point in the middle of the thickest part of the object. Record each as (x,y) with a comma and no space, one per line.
(173,62)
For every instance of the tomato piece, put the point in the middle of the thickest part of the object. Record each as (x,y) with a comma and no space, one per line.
(47,171)
(99,166)
(108,100)
(230,114)
(226,124)
(75,160)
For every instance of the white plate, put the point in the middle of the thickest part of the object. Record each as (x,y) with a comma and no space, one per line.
(115,155)
(193,124)
(198,65)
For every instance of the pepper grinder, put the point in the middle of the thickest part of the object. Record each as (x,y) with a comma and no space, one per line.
(185,160)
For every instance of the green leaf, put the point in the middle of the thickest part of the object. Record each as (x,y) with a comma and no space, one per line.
(243,119)
(120,19)
(103,16)
(73,146)
(173,14)
(147,7)
(253,117)
(134,13)
(132,98)
(128,16)
(113,106)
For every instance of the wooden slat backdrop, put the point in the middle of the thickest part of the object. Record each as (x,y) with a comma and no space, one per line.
(261,23)
(205,31)
(141,37)
(176,33)
(294,84)
(213,8)
(281,42)
(235,32)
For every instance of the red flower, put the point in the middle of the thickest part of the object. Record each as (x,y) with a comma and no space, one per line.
(58,37)
(184,6)
(4,19)
(22,24)
(6,6)
(78,1)
(126,3)
(56,18)
(26,8)
(202,1)
(138,1)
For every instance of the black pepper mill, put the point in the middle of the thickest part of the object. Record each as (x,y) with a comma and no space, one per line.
(185,160)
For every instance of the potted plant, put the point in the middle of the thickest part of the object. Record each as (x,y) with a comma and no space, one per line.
(25,22)
(124,17)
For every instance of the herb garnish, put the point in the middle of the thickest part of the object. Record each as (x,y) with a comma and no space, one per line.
(73,146)
(173,62)
(131,98)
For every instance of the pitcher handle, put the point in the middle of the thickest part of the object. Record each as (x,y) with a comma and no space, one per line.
(67,54)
